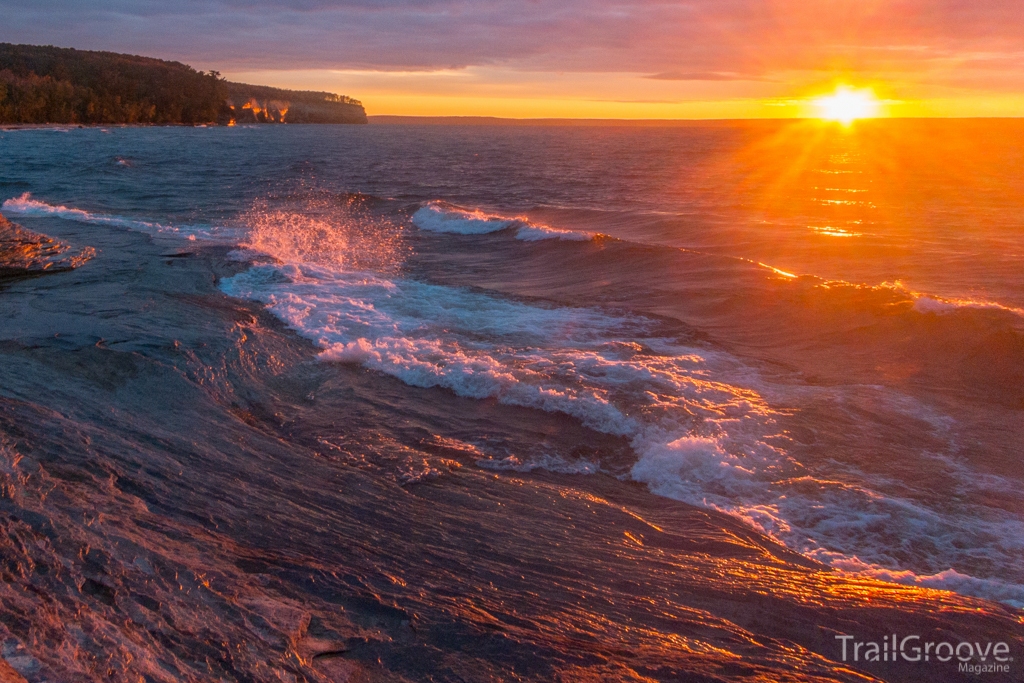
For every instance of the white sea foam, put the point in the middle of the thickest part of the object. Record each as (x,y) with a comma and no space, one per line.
(948,580)
(25,205)
(939,306)
(438,217)
(536,233)
(850,527)
(445,218)
(546,462)
(699,439)
(475,345)
(701,435)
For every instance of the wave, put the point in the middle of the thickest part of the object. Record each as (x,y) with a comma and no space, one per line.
(883,299)
(700,433)
(535,233)
(546,461)
(25,205)
(440,217)
(949,580)
(924,303)
(32,128)
(473,344)
(339,232)
(847,526)
(700,429)
(444,218)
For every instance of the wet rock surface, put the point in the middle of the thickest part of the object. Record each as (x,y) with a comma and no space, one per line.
(186,494)
(24,253)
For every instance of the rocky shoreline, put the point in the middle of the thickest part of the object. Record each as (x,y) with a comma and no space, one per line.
(185,495)
(24,253)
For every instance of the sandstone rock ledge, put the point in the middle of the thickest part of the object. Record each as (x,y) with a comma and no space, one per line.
(24,253)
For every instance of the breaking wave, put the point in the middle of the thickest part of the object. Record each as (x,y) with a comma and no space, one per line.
(441,217)
(320,228)
(25,205)
(701,435)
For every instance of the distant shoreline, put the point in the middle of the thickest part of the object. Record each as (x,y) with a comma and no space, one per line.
(48,126)
(47,84)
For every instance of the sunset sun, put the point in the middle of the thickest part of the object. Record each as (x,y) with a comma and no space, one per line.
(846,105)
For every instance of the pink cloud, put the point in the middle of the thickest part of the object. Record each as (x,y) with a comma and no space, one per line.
(700,40)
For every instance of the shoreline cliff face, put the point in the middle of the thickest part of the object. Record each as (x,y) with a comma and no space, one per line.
(263,104)
(51,85)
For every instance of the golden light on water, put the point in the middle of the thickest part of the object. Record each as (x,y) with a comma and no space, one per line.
(846,105)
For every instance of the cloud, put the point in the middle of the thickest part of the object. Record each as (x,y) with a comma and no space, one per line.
(700,40)
(700,76)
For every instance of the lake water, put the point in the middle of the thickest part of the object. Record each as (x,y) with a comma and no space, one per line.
(813,333)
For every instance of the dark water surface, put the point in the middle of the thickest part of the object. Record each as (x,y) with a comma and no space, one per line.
(484,403)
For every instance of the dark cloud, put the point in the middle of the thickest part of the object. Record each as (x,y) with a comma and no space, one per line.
(697,40)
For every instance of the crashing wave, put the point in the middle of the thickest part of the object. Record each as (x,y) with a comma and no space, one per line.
(440,217)
(25,205)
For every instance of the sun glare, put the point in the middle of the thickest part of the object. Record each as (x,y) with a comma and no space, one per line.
(847,105)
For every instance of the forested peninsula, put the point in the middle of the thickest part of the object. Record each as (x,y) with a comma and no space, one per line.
(46,85)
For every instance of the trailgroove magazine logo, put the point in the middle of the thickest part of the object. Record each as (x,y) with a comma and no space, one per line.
(972,657)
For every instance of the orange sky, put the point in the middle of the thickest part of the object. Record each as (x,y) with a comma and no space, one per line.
(575,58)
(491,92)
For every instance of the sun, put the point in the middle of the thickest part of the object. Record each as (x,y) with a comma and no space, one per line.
(846,105)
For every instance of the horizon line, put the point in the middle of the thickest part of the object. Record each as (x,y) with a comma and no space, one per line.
(397,118)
